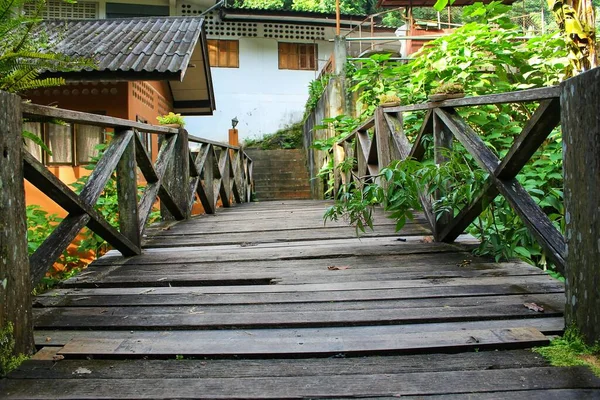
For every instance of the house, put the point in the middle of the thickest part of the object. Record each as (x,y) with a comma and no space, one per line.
(262,61)
(145,67)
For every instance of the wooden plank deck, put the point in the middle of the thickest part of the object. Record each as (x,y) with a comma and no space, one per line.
(264,301)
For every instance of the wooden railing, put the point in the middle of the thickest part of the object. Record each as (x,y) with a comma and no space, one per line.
(575,104)
(442,121)
(213,171)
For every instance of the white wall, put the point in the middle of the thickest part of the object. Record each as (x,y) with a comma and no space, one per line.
(262,97)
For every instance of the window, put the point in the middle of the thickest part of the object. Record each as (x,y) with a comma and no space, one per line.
(298,56)
(224,53)
(70,144)
(124,10)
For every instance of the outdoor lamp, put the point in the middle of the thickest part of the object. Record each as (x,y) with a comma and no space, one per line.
(234,122)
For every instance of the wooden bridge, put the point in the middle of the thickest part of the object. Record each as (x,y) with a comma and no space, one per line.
(262,300)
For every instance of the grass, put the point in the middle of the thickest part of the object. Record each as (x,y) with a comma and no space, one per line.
(570,350)
(290,137)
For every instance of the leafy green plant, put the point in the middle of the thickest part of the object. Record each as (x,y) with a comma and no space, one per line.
(486,61)
(389,98)
(8,360)
(449,88)
(316,88)
(171,118)
(25,51)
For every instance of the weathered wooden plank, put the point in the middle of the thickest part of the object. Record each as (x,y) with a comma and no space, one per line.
(580,98)
(400,343)
(330,385)
(190,369)
(313,287)
(507,287)
(297,314)
(303,250)
(223,187)
(38,112)
(527,394)
(521,96)
(442,146)
(15,285)
(175,181)
(144,161)
(127,195)
(105,167)
(62,337)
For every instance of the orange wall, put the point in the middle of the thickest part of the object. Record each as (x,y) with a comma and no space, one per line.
(128,100)
(107,98)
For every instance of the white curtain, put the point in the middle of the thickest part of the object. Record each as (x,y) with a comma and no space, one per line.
(88,137)
(30,145)
(60,142)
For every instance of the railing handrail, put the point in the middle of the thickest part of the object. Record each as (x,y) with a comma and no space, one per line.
(441,121)
(519,96)
(213,171)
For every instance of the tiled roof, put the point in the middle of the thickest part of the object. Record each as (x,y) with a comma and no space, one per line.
(147,45)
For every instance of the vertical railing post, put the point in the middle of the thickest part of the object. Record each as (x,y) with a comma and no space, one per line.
(580,121)
(15,282)
(442,139)
(177,177)
(127,195)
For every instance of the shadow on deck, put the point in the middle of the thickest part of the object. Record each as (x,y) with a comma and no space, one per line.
(263,301)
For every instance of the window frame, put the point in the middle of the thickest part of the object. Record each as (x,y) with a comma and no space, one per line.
(217,59)
(294,58)
(45,136)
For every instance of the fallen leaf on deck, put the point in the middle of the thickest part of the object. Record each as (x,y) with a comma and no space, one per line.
(427,239)
(48,339)
(58,357)
(336,268)
(534,307)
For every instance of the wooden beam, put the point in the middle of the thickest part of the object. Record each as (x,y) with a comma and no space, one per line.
(522,96)
(37,174)
(45,113)
(531,214)
(127,195)
(15,286)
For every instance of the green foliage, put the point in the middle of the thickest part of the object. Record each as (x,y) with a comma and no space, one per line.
(341,126)
(8,360)
(316,88)
(348,7)
(290,137)
(449,88)
(107,205)
(171,118)
(25,51)
(40,225)
(571,350)
(484,61)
